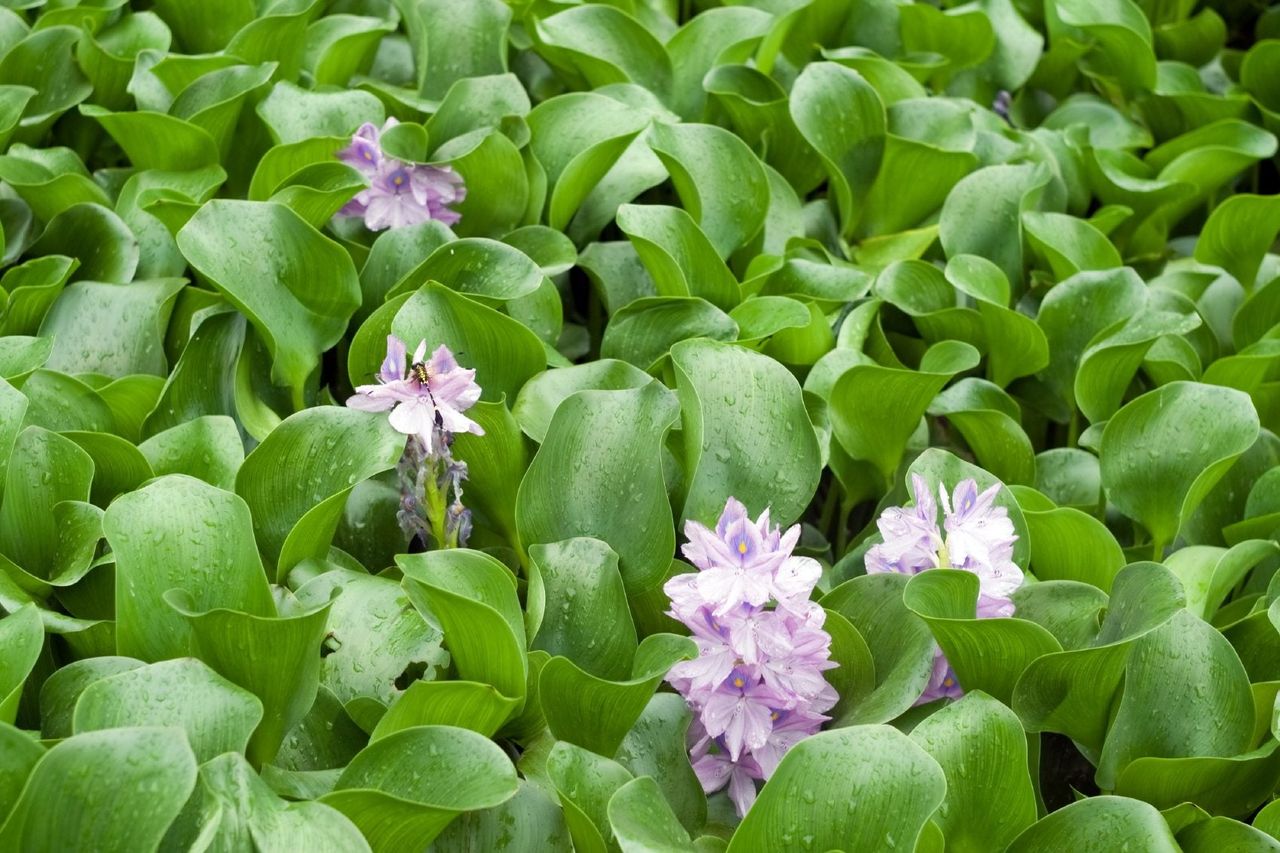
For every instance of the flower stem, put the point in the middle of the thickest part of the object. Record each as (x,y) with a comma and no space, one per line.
(436,508)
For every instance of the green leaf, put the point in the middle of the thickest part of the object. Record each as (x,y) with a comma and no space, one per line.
(839,113)
(576,592)
(341,46)
(154,140)
(21,752)
(1235,785)
(645,330)
(44,469)
(452,43)
(578,137)
(234,806)
(886,790)
(879,433)
(585,782)
(364,657)
(1121,40)
(986,654)
(1238,235)
(296,286)
(1111,360)
(543,394)
(465,704)
(989,421)
(297,480)
(475,266)
(602,45)
(216,715)
(1102,823)
(977,735)
(1208,574)
(899,641)
(207,448)
(148,772)
(528,822)
(1073,691)
(719,181)
(1221,833)
(474,598)
(1186,694)
(643,821)
(21,638)
(1200,431)
(656,747)
(678,255)
(180,533)
(599,473)
(405,788)
(251,650)
(496,462)
(738,404)
(98,238)
(977,214)
(293,114)
(1069,545)
(597,714)
(112,329)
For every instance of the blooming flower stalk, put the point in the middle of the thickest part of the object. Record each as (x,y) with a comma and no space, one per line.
(757,685)
(399,193)
(426,399)
(976,536)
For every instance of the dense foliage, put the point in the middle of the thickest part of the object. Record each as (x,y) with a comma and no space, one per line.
(828,258)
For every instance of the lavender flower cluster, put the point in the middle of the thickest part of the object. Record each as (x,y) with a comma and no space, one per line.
(399,193)
(976,536)
(757,685)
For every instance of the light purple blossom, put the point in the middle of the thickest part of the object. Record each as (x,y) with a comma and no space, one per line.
(399,193)
(426,400)
(757,684)
(424,397)
(976,536)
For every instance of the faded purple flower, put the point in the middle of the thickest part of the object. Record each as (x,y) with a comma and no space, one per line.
(399,193)
(424,397)
(756,685)
(976,536)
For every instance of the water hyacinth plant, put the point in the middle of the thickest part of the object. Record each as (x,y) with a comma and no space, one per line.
(426,400)
(639,425)
(757,684)
(399,193)
(976,536)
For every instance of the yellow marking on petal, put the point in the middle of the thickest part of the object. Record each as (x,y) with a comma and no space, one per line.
(742,547)
(738,682)
(949,682)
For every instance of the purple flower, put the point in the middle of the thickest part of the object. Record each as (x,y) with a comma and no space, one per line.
(756,685)
(976,536)
(424,397)
(399,193)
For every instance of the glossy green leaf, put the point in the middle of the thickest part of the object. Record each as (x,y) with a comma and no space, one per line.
(1202,430)
(599,473)
(405,788)
(887,790)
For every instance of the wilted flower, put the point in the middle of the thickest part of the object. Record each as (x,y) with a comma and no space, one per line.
(399,193)
(426,400)
(976,536)
(756,685)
